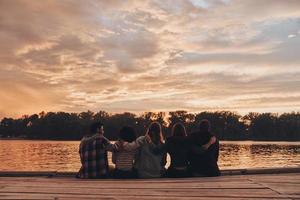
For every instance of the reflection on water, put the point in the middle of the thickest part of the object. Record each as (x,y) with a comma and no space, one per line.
(27,155)
(259,154)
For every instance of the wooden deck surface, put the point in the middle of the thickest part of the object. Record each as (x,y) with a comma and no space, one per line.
(261,186)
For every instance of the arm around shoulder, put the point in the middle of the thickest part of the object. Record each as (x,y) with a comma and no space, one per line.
(109,146)
(202,149)
(135,144)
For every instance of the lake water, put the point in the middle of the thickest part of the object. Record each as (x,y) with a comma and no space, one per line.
(29,155)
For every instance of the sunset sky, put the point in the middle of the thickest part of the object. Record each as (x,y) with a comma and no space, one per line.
(149,55)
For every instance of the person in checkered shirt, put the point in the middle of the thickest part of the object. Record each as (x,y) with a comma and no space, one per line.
(93,153)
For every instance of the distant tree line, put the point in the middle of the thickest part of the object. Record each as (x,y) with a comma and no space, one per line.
(225,124)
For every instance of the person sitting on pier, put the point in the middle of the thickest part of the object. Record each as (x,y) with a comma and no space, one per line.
(93,153)
(124,157)
(178,146)
(204,163)
(151,158)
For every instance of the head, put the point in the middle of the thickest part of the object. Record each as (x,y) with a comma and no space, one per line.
(204,126)
(155,133)
(97,127)
(127,134)
(178,129)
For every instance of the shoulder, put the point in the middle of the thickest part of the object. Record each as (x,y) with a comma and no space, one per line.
(174,139)
(140,138)
(195,133)
(125,145)
(169,139)
(192,136)
(103,139)
(86,140)
(95,137)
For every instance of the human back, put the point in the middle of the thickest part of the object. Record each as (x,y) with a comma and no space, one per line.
(151,157)
(177,147)
(204,163)
(93,154)
(124,157)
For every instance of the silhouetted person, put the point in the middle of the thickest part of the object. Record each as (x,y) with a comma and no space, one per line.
(124,157)
(93,153)
(178,147)
(203,163)
(151,158)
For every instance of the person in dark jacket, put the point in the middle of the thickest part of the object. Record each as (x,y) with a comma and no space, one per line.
(203,163)
(178,147)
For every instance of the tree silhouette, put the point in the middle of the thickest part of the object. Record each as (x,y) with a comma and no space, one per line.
(225,124)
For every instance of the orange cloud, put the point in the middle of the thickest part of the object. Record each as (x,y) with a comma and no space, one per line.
(149,55)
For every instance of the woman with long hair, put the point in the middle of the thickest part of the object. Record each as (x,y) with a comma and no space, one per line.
(151,159)
(177,147)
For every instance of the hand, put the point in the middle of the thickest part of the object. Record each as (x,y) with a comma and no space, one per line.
(206,146)
(213,140)
(148,139)
(119,145)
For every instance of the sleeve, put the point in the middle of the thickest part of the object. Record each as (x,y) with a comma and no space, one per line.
(202,149)
(110,146)
(141,140)
(85,140)
(164,160)
(217,151)
(159,149)
(114,157)
(135,144)
(196,149)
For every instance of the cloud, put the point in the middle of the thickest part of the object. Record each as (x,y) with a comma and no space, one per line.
(26,94)
(149,55)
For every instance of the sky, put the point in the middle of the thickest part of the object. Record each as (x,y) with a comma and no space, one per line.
(149,55)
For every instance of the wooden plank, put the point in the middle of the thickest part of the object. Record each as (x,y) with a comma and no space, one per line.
(151,192)
(143,186)
(123,181)
(288,188)
(80,197)
(93,196)
(223,172)
(229,187)
(27,197)
(290,178)
(179,198)
(241,183)
(235,180)
(194,179)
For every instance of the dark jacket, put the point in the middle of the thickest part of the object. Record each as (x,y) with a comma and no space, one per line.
(178,147)
(203,163)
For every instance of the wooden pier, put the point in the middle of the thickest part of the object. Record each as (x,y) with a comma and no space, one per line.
(277,185)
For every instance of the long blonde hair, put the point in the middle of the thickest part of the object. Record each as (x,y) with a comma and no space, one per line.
(154,131)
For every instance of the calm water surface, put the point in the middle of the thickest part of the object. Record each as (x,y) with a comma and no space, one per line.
(28,155)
